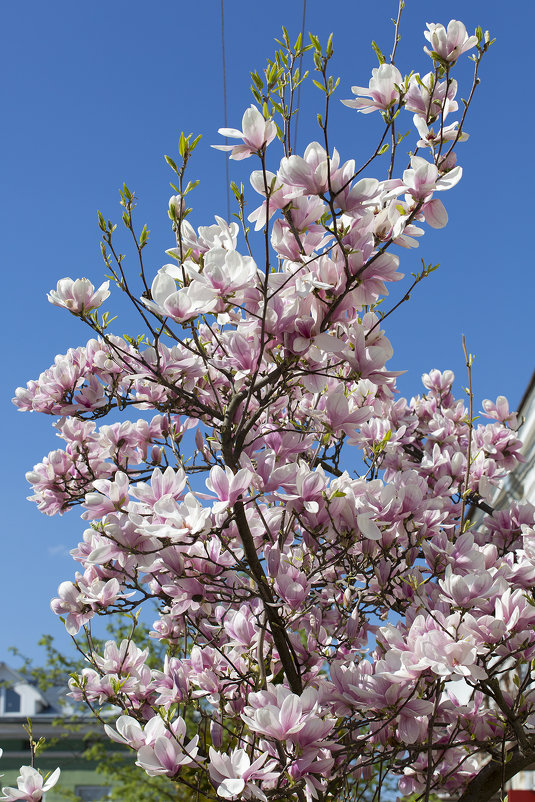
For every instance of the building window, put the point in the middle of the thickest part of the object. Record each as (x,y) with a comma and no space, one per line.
(92,793)
(11,701)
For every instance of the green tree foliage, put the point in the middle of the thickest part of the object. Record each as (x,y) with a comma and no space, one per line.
(128,782)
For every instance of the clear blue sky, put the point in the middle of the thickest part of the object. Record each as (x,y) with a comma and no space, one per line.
(95,93)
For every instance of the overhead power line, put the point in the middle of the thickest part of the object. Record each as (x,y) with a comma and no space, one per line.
(224,71)
(300,71)
(227,175)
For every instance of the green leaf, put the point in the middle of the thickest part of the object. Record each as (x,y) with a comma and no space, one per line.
(191,185)
(236,192)
(171,164)
(401,137)
(316,42)
(378,53)
(144,236)
(332,84)
(271,74)
(257,80)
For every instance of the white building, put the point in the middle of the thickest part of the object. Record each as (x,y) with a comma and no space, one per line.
(21,700)
(519,486)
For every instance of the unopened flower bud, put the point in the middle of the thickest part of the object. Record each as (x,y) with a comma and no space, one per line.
(273,561)
(176,206)
(347,597)
(216,734)
(156,454)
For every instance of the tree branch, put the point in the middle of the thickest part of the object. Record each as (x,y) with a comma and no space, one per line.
(489,780)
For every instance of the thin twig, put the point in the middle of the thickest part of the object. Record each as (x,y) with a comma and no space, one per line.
(469,361)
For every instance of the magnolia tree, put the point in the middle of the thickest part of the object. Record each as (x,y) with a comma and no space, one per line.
(323,627)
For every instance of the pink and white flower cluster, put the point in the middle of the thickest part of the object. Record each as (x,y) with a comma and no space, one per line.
(160,745)
(315,619)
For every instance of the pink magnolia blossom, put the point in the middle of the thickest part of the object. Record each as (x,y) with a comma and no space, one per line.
(70,603)
(182,304)
(430,98)
(176,520)
(233,774)
(450,43)
(435,646)
(79,296)
(280,714)
(128,731)
(160,747)
(306,489)
(292,585)
(423,178)
(228,486)
(381,93)
(278,195)
(228,271)
(166,756)
(30,785)
(339,414)
(169,482)
(311,171)
(431,138)
(499,410)
(256,134)
(219,235)
(435,213)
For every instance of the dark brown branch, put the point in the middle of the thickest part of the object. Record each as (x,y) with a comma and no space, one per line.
(275,622)
(489,780)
